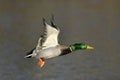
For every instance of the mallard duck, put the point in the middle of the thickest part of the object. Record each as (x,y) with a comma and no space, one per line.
(48,46)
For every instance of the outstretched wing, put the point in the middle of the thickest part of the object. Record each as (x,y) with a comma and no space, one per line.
(50,37)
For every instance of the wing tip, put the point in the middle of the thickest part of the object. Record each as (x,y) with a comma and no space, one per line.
(44,21)
(53,22)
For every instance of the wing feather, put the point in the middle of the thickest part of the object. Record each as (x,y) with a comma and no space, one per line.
(50,36)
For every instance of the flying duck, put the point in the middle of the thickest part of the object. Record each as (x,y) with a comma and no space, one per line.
(48,46)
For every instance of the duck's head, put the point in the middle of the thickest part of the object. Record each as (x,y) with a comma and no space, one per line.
(80,46)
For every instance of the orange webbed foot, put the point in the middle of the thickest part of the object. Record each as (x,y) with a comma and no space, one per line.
(41,62)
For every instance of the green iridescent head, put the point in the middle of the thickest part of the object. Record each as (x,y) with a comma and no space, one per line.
(81,46)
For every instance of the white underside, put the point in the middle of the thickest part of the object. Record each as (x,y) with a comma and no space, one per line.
(49,53)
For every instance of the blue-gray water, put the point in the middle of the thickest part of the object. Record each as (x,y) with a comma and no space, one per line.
(96,22)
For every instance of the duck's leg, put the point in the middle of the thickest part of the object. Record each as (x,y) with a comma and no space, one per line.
(41,62)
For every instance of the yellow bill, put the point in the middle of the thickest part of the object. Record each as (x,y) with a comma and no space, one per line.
(89,47)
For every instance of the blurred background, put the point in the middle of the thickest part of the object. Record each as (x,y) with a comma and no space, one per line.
(95,22)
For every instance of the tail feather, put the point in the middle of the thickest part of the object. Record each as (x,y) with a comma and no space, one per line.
(29,54)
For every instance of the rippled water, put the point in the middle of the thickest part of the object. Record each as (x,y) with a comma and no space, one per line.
(95,22)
